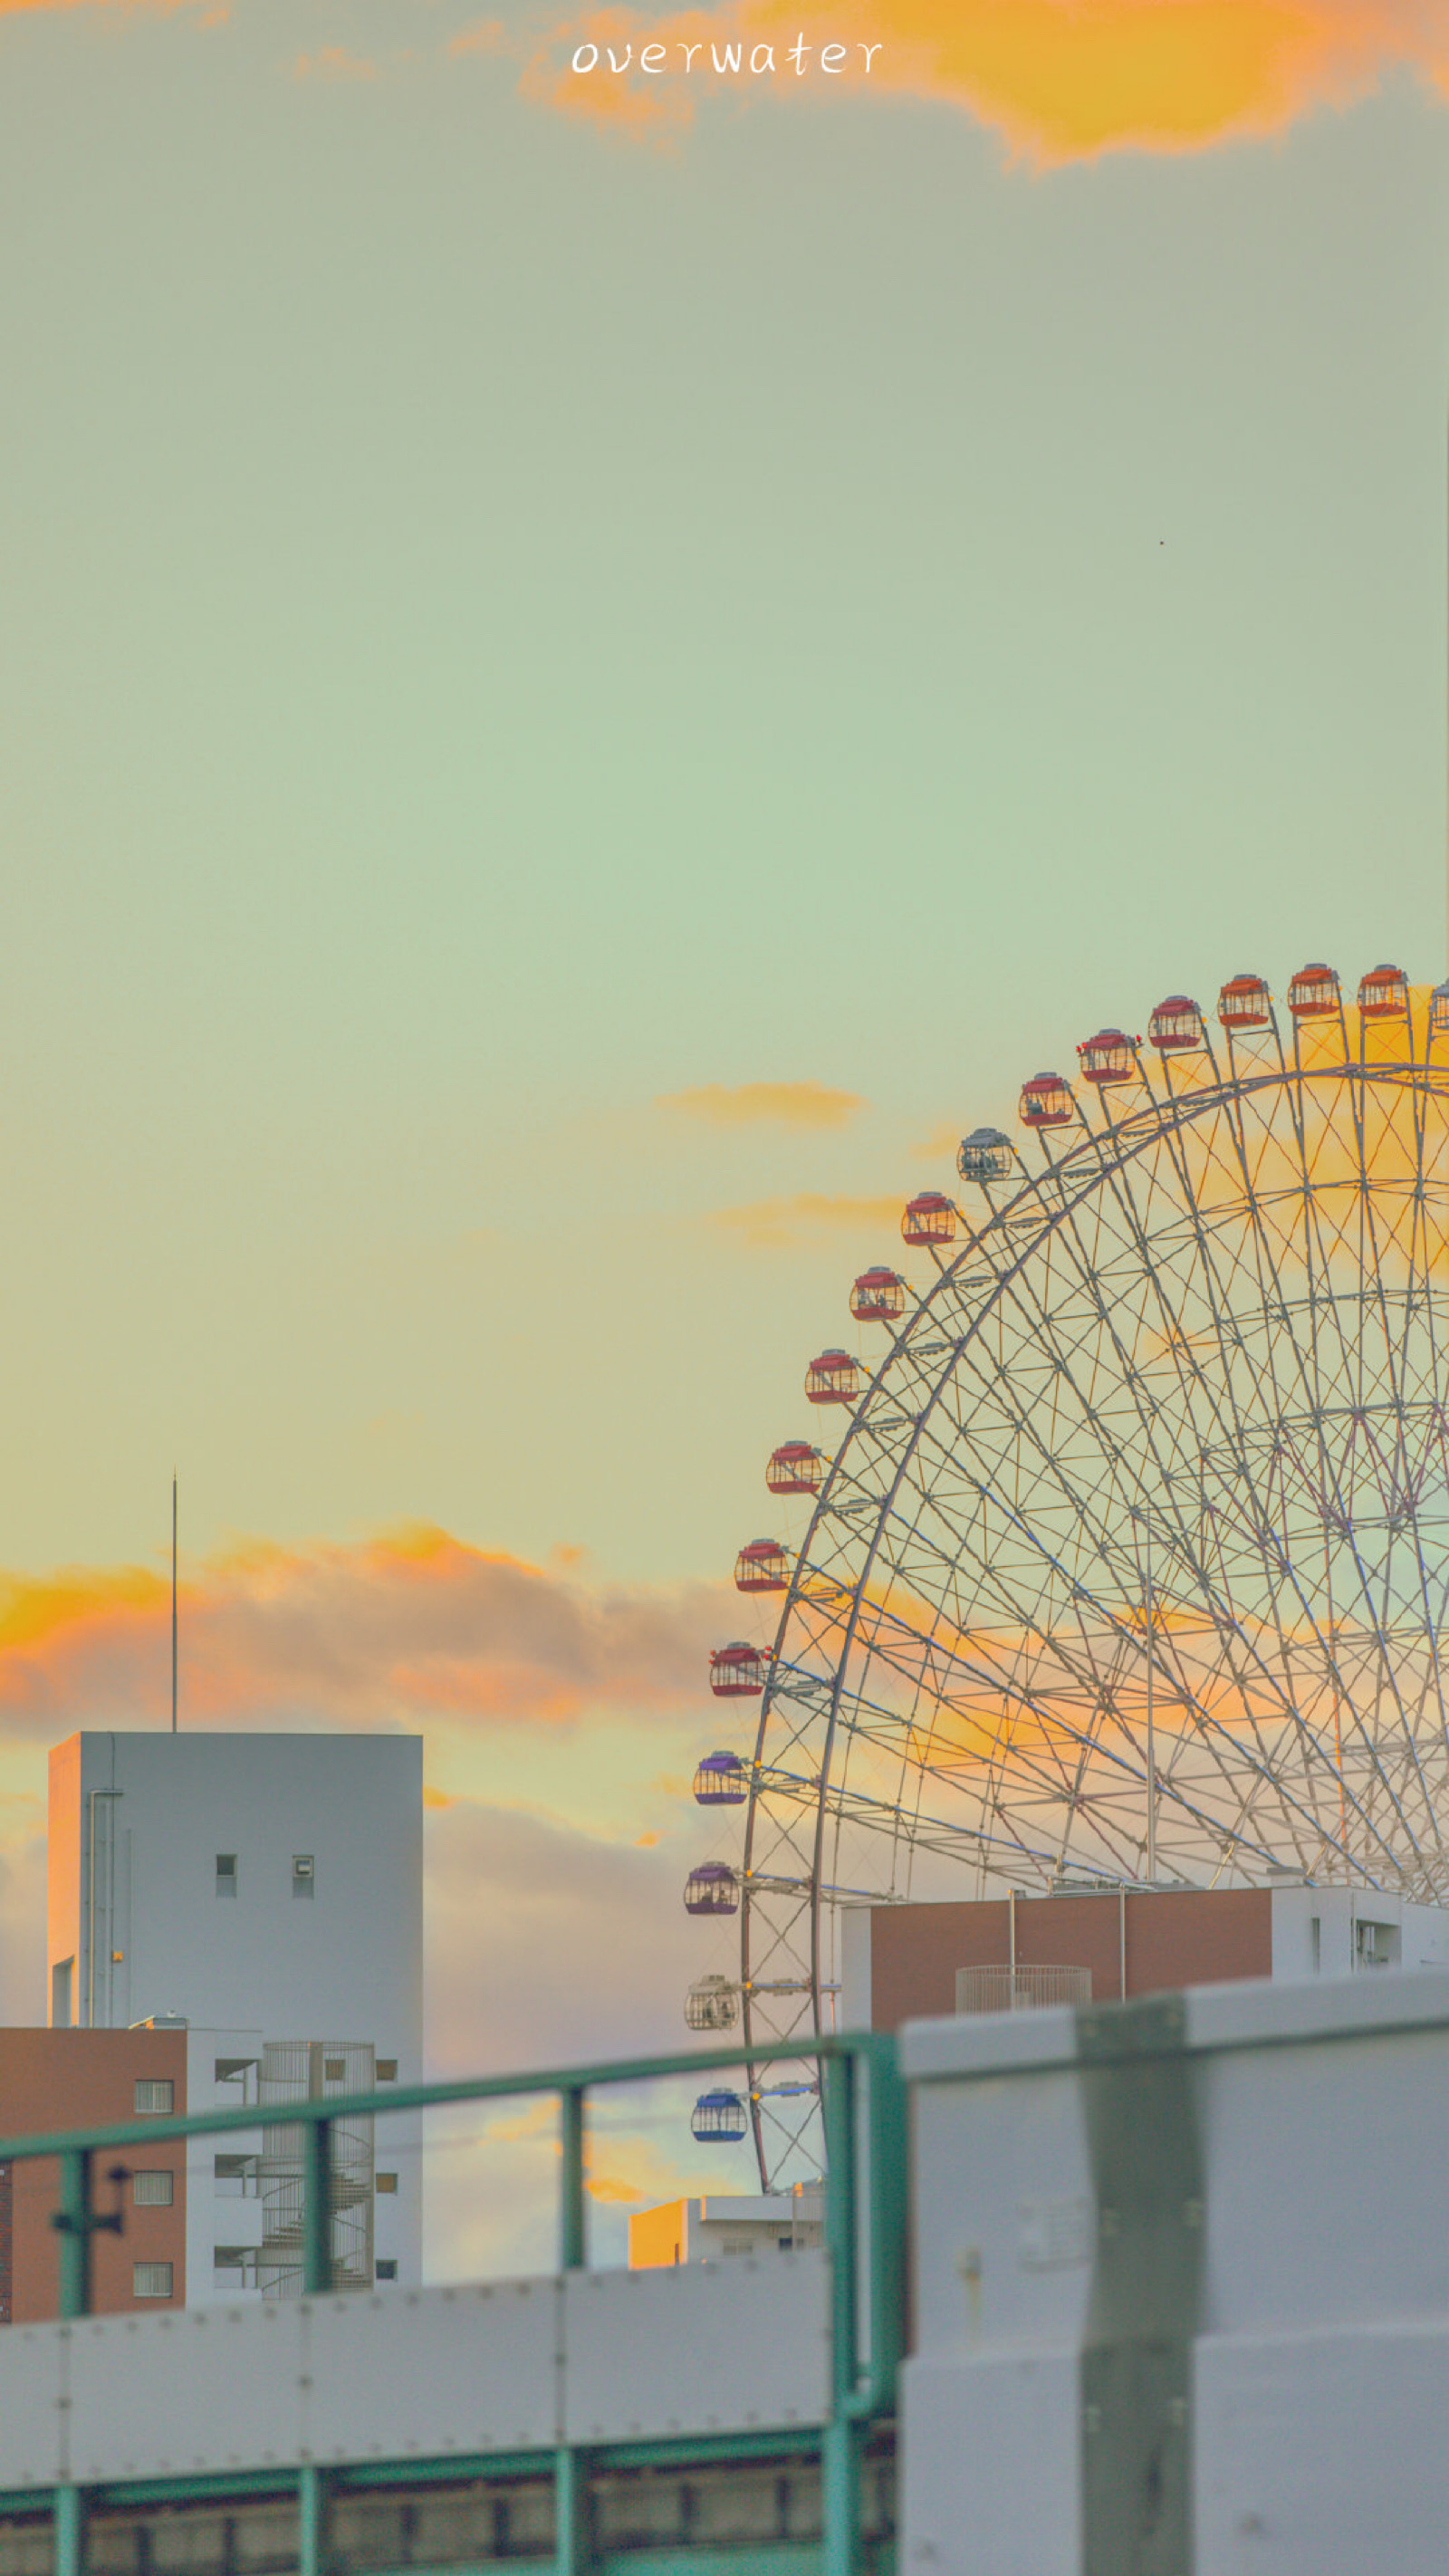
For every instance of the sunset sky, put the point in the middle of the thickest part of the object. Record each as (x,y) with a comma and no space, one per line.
(593,668)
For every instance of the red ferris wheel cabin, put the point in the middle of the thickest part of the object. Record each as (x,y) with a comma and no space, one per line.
(737,1671)
(1046,1101)
(1245,1003)
(763,1566)
(795,1468)
(1107,1058)
(1384,993)
(929,1219)
(878,1297)
(833,1378)
(1313,993)
(1175,1026)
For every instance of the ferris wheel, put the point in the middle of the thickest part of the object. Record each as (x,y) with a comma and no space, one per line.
(1131,1561)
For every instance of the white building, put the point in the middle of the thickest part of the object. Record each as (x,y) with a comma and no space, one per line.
(267,1891)
(727,2223)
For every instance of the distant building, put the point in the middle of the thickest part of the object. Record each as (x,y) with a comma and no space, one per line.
(244,2190)
(264,1891)
(709,2231)
(71,2079)
(911,1962)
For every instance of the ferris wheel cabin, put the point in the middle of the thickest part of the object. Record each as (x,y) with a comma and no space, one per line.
(719,2119)
(878,1297)
(721,1781)
(1384,994)
(1107,1058)
(1313,993)
(763,1566)
(833,1378)
(1245,1003)
(712,1888)
(929,1218)
(712,2003)
(795,1468)
(1175,1027)
(985,1155)
(1046,1101)
(737,1671)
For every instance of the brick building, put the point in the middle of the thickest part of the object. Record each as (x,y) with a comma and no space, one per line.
(902,1962)
(52,2080)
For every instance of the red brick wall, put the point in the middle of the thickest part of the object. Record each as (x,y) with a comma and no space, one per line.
(72,2079)
(1174,1937)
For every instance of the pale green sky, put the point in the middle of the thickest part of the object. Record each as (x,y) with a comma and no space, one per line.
(501,625)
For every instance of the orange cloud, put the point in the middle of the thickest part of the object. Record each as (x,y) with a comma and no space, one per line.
(769,1224)
(488,37)
(750,1104)
(333,62)
(1060,80)
(396,1629)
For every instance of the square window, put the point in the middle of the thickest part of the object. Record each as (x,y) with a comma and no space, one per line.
(304,1873)
(387,2070)
(386,2271)
(387,2182)
(334,2070)
(153,2190)
(153,2094)
(226,1873)
(151,2280)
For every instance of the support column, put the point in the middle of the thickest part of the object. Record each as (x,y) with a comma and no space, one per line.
(311,2520)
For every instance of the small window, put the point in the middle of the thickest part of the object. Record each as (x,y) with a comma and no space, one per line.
(155,2093)
(226,1873)
(387,2070)
(153,2190)
(304,1873)
(386,2271)
(387,2182)
(151,2280)
(334,2070)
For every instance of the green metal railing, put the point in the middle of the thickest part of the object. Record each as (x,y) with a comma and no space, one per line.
(862,2105)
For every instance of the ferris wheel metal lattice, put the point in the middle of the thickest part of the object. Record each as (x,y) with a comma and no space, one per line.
(1160,1447)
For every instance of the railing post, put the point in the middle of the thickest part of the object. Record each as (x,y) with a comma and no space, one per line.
(573,2247)
(572,2550)
(887,2193)
(73,2225)
(311,2520)
(317,2208)
(843,2439)
(68,2508)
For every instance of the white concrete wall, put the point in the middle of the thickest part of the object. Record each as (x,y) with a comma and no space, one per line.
(1319,2367)
(136,1825)
(1402,1935)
